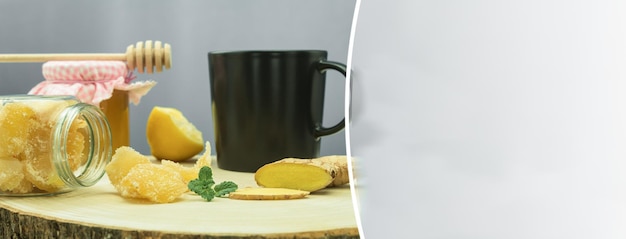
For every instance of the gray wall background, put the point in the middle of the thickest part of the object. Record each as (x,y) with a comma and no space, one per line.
(193,28)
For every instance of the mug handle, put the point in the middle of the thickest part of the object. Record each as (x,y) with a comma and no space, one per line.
(322,66)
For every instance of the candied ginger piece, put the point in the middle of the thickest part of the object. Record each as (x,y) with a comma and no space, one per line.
(40,172)
(127,189)
(154,182)
(38,142)
(15,126)
(38,167)
(12,177)
(24,187)
(123,160)
(47,111)
(191,173)
(77,144)
(188,173)
(205,158)
(134,176)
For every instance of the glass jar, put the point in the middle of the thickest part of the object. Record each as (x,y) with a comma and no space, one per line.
(51,144)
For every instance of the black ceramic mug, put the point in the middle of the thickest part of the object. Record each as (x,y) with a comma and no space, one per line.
(268,105)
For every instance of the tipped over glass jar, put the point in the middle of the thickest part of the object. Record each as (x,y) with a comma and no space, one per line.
(51,144)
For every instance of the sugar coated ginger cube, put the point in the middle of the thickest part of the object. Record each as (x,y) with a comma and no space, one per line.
(127,189)
(122,161)
(134,176)
(205,158)
(153,182)
(12,177)
(191,173)
(47,110)
(187,173)
(24,186)
(38,167)
(77,144)
(41,173)
(15,126)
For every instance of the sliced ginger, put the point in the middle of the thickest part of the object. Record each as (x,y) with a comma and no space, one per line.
(304,174)
(267,194)
(134,176)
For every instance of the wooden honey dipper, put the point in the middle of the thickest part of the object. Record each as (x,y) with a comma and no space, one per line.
(148,55)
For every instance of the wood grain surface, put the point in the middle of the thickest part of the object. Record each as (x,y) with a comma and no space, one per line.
(99,212)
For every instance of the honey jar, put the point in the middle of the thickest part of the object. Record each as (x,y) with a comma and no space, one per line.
(117,113)
(104,84)
(51,144)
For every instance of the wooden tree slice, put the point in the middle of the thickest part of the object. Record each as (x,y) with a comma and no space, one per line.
(99,212)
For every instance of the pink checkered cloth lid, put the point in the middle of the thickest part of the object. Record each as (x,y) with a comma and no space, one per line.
(90,81)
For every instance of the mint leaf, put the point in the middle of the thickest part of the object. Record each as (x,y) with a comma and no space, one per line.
(224,188)
(204,185)
(202,188)
(208,194)
(206,174)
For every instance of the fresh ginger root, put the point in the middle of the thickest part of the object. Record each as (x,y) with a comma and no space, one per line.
(304,174)
(267,194)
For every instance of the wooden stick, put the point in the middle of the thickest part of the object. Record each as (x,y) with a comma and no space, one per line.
(61,57)
(143,57)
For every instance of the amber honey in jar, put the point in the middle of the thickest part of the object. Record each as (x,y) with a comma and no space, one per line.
(117,113)
(51,144)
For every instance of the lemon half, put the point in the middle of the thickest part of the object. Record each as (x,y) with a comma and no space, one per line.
(171,136)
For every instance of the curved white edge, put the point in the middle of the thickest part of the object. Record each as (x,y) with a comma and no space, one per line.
(347,108)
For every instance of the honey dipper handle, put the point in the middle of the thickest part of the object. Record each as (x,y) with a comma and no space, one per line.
(60,57)
(144,57)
